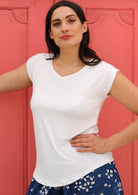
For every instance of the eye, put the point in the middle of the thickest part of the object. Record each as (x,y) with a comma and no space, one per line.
(56,24)
(71,20)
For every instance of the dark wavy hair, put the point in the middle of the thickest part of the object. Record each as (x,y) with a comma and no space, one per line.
(84,50)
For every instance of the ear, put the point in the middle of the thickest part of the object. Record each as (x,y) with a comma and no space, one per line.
(84,27)
(50,34)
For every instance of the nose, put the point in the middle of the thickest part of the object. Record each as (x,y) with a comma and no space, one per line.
(64,27)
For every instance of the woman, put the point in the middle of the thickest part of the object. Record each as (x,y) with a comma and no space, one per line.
(69,88)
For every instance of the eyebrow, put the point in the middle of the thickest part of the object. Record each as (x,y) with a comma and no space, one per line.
(66,17)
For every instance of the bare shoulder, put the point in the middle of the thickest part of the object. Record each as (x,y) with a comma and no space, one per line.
(125,92)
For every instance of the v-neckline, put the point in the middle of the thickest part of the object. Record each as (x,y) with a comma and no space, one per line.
(66,76)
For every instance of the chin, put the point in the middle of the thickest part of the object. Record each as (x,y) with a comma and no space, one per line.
(69,44)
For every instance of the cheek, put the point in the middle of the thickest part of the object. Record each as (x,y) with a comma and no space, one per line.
(54,33)
(55,37)
(79,35)
(51,36)
(78,32)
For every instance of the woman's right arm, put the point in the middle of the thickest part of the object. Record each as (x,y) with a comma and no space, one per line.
(15,79)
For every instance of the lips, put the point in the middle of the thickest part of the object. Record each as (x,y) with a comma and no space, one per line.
(65,37)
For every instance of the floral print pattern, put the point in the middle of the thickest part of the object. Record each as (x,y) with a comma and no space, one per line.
(102,181)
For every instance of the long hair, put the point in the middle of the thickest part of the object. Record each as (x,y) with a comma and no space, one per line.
(84,50)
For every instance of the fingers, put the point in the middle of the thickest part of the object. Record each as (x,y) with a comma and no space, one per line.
(82,141)
(84,150)
(80,144)
(83,136)
(90,143)
(87,143)
(79,140)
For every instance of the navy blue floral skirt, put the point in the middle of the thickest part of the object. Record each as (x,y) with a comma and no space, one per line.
(102,181)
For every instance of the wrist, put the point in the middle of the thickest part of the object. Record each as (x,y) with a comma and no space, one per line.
(108,145)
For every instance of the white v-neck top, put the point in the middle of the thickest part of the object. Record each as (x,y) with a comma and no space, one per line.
(63,107)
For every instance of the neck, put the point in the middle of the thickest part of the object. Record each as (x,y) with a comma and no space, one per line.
(69,56)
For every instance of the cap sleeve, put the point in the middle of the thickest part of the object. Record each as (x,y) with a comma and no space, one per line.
(29,67)
(34,64)
(107,73)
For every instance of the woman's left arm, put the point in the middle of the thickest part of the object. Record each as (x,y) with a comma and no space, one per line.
(125,92)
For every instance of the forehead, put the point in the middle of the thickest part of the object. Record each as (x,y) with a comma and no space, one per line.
(62,12)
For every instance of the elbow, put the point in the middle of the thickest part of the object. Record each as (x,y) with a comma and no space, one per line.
(136,112)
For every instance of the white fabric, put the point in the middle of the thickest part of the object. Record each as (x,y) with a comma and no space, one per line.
(62,108)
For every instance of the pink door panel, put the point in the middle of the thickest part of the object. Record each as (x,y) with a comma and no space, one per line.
(12,106)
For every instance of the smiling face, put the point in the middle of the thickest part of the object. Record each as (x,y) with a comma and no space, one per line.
(66,28)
